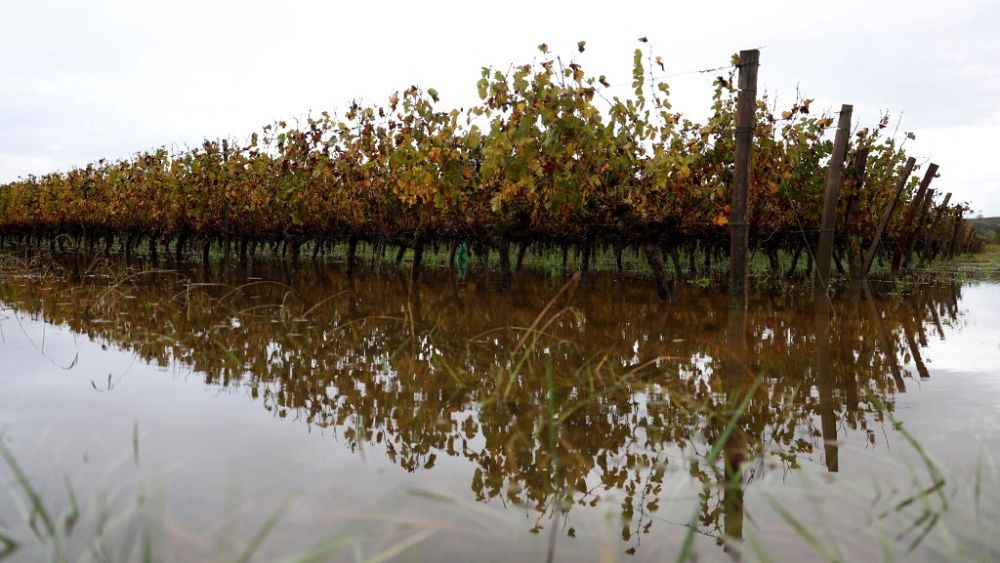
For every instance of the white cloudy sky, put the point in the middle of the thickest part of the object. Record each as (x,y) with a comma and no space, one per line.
(105,78)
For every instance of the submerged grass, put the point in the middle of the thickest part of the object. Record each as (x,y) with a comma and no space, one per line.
(936,518)
(110,536)
(687,548)
(944,514)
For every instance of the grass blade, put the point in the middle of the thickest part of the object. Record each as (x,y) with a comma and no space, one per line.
(262,534)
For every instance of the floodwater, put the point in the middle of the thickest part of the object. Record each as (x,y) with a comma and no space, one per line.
(380,420)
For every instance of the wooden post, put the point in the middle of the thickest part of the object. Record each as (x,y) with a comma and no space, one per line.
(225,203)
(918,227)
(911,213)
(887,214)
(931,242)
(835,174)
(948,232)
(956,228)
(746,107)
(943,234)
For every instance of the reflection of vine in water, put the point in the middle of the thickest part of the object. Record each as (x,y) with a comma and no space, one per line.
(423,371)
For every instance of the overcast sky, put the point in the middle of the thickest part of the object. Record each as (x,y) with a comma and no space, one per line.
(84,80)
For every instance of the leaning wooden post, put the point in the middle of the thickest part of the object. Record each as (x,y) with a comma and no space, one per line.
(931,242)
(835,174)
(746,107)
(956,229)
(887,214)
(911,213)
(918,225)
(944,233)
(225,204)
(922,216)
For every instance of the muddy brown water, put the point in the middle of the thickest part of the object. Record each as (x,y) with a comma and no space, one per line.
(455,422)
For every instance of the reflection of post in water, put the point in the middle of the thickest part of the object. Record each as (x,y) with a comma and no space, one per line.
(918,326)
(552,434)
(340,378)
(932,306)
(824,381)
(735,447)
(735,386)
(888,350)
(847,376)
(952,304)
(914,348)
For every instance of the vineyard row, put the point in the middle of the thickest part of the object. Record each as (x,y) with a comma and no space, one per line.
(548,156)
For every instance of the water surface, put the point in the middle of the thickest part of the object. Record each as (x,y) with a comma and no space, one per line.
(450,422)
